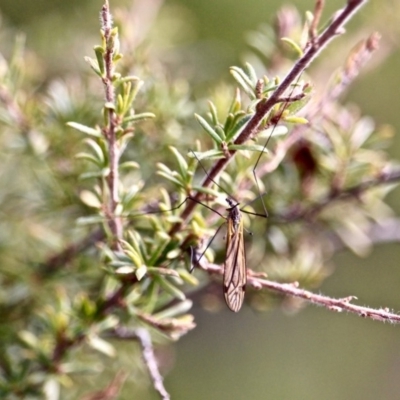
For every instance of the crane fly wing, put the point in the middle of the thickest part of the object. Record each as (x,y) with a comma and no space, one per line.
(235,276)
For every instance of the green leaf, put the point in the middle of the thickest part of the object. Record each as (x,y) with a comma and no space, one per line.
(164,241)
(309,18)
(90,199)
(221,132)
(111,321)
(92,219)
(293,119)
(163,272)
(99,51)
(238,126)
(188,277)
(94,174)
(101,345)
(125,90)
(97,149)
(136,87)
(139,117)
(175,310)
(205,125)
(127,165)
(94,65)
(85,306)
(129,78)
(141,272)
(51,389)
(171,289)
(236,104)
(133,250)
(109,106)
(89,157)
(251,147)
(129,200)
(244,78)
(171,178)
(213,112)
(270,86)
(229,123)
(183,166)
(125,270)
(251,73)
(117,57)
(294,46)
(85,129)
(120,109)
(211,154)
(116,76)
(204,190)
(272,131)
(29,339)
(164,168)
(244,81)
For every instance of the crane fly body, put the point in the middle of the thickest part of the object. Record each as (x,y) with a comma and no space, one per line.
(235,275)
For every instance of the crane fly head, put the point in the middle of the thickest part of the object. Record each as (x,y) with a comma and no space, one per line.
(232,204)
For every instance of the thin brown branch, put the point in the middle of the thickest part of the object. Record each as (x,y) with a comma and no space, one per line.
(292,290)
(334,29)
(116,299)
(149,358)
(63,345)
(384,231)
(355,62)
(68,254)
(112,390)
(291,99)
(110,131)
(319,6)
(339,195)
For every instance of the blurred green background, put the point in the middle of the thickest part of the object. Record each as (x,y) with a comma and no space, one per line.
(314,353)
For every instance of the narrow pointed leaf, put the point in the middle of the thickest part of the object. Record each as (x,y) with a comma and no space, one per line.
(206,126)
(85,129)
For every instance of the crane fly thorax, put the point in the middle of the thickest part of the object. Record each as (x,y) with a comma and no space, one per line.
(234,214)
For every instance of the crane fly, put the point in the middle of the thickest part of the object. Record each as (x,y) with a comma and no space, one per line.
(235,274)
